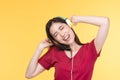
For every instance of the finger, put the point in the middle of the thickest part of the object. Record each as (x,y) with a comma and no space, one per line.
(72,17)
(74,24)
(49,40)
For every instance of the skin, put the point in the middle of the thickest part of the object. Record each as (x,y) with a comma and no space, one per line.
(64,34)
(34,68)
(60,32)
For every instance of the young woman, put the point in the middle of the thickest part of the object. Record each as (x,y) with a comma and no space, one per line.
(72,59)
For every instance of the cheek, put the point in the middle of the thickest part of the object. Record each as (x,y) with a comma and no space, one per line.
(58,38)
(72,34)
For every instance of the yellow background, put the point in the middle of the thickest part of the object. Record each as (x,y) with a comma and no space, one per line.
(22,27)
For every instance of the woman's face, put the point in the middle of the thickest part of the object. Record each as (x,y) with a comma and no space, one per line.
(62,33)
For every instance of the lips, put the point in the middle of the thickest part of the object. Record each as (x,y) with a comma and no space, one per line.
(67,37)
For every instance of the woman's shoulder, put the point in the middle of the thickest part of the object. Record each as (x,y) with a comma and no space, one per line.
(53,48)
(89,44)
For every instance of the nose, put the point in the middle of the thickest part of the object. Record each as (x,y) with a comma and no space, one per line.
(62,34)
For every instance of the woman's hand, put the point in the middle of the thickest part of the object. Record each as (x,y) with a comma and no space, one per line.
(45,43)
(34,68)
(101,22)
(75,19)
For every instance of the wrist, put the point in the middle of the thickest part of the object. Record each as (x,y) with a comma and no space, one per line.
(80,19)
(76,19)
(40,47)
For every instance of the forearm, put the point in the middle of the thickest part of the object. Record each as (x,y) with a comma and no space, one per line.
(95,20)
(33,63)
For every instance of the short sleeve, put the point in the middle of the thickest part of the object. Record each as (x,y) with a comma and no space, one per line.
(92,49)
(46,59)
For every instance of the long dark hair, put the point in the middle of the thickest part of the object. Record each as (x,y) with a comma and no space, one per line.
(55,42)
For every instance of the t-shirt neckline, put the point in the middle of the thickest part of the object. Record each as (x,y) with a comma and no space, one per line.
(74,55)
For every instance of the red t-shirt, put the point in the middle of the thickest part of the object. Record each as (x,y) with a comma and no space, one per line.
(83,62)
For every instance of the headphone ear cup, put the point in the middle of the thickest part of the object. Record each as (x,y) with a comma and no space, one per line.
(69,22)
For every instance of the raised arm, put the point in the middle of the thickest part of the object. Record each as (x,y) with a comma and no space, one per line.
(102,22)
(34,68)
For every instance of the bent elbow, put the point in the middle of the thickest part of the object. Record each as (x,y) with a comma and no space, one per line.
(28,76)
(107,21)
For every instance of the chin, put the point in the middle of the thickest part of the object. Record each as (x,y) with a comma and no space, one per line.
(69,42)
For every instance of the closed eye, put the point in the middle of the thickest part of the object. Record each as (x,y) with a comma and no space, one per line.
(55,34)
(61,27)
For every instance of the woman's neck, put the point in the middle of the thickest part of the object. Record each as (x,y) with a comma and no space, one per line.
(74,47)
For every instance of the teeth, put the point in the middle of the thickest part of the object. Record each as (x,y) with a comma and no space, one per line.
(66,37)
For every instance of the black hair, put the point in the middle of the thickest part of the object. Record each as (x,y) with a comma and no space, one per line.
(55,42)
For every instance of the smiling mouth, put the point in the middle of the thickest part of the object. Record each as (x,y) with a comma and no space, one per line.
(67,37)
